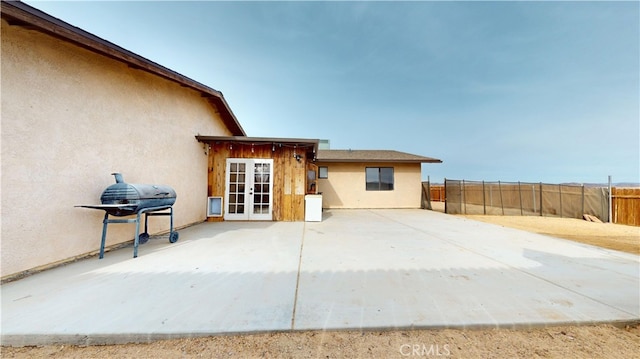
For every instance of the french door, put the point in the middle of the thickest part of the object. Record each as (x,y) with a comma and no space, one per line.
(249,189)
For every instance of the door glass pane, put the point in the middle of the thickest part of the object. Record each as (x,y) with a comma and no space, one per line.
(236,197)
(262,172)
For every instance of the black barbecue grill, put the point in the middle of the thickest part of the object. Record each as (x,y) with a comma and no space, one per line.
(126,199)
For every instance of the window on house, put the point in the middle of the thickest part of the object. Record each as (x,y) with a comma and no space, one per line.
(323,172)
(379,178)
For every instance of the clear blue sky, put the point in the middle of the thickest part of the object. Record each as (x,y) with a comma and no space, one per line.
(511,91)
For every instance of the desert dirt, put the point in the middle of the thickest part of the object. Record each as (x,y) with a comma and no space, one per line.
(612,236)
(589,341)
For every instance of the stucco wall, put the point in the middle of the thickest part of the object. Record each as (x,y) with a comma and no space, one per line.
(345,186)
(70,118)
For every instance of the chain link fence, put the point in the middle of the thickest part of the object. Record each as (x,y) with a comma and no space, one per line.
(525,199)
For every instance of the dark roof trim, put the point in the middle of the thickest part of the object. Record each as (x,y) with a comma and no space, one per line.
(302,142)
(20,14)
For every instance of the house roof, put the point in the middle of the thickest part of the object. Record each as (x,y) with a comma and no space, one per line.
(372,156)
(17,13)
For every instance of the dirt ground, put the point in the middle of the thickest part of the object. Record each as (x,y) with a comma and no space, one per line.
(602,341)
(612,236)
(595,341)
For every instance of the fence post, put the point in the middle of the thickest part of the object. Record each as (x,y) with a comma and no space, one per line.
(429,193)
(426,193)
(445,191)
(610,201)
(540,199)
(501,202)
(582,214)
(520,193)
(484,200)
(464,197)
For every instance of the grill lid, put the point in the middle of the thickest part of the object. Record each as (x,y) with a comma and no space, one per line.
(123,199)
(122,193)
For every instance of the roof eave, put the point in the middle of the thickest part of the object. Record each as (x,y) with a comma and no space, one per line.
(313,143)
(204,138)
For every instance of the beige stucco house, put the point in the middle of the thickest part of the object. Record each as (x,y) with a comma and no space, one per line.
(76,108)
(370,178)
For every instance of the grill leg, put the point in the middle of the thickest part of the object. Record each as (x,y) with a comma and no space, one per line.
(136,241)
(173,236)
(104,234)
(146,219)
(171,221)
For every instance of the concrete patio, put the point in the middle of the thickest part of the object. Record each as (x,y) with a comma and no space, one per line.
(358,269)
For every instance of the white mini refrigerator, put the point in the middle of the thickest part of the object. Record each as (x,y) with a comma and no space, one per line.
(313,208)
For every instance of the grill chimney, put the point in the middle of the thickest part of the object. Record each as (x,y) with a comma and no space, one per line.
(119,178)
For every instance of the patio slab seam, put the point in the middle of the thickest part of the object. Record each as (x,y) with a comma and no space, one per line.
(295,298)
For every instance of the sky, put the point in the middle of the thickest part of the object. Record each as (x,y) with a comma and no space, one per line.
(511,91)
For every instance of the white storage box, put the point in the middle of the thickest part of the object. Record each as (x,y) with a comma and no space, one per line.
(313,208)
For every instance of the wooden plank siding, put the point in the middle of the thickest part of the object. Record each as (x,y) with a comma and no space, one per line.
(437,193)
(626,206)
(289,175)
